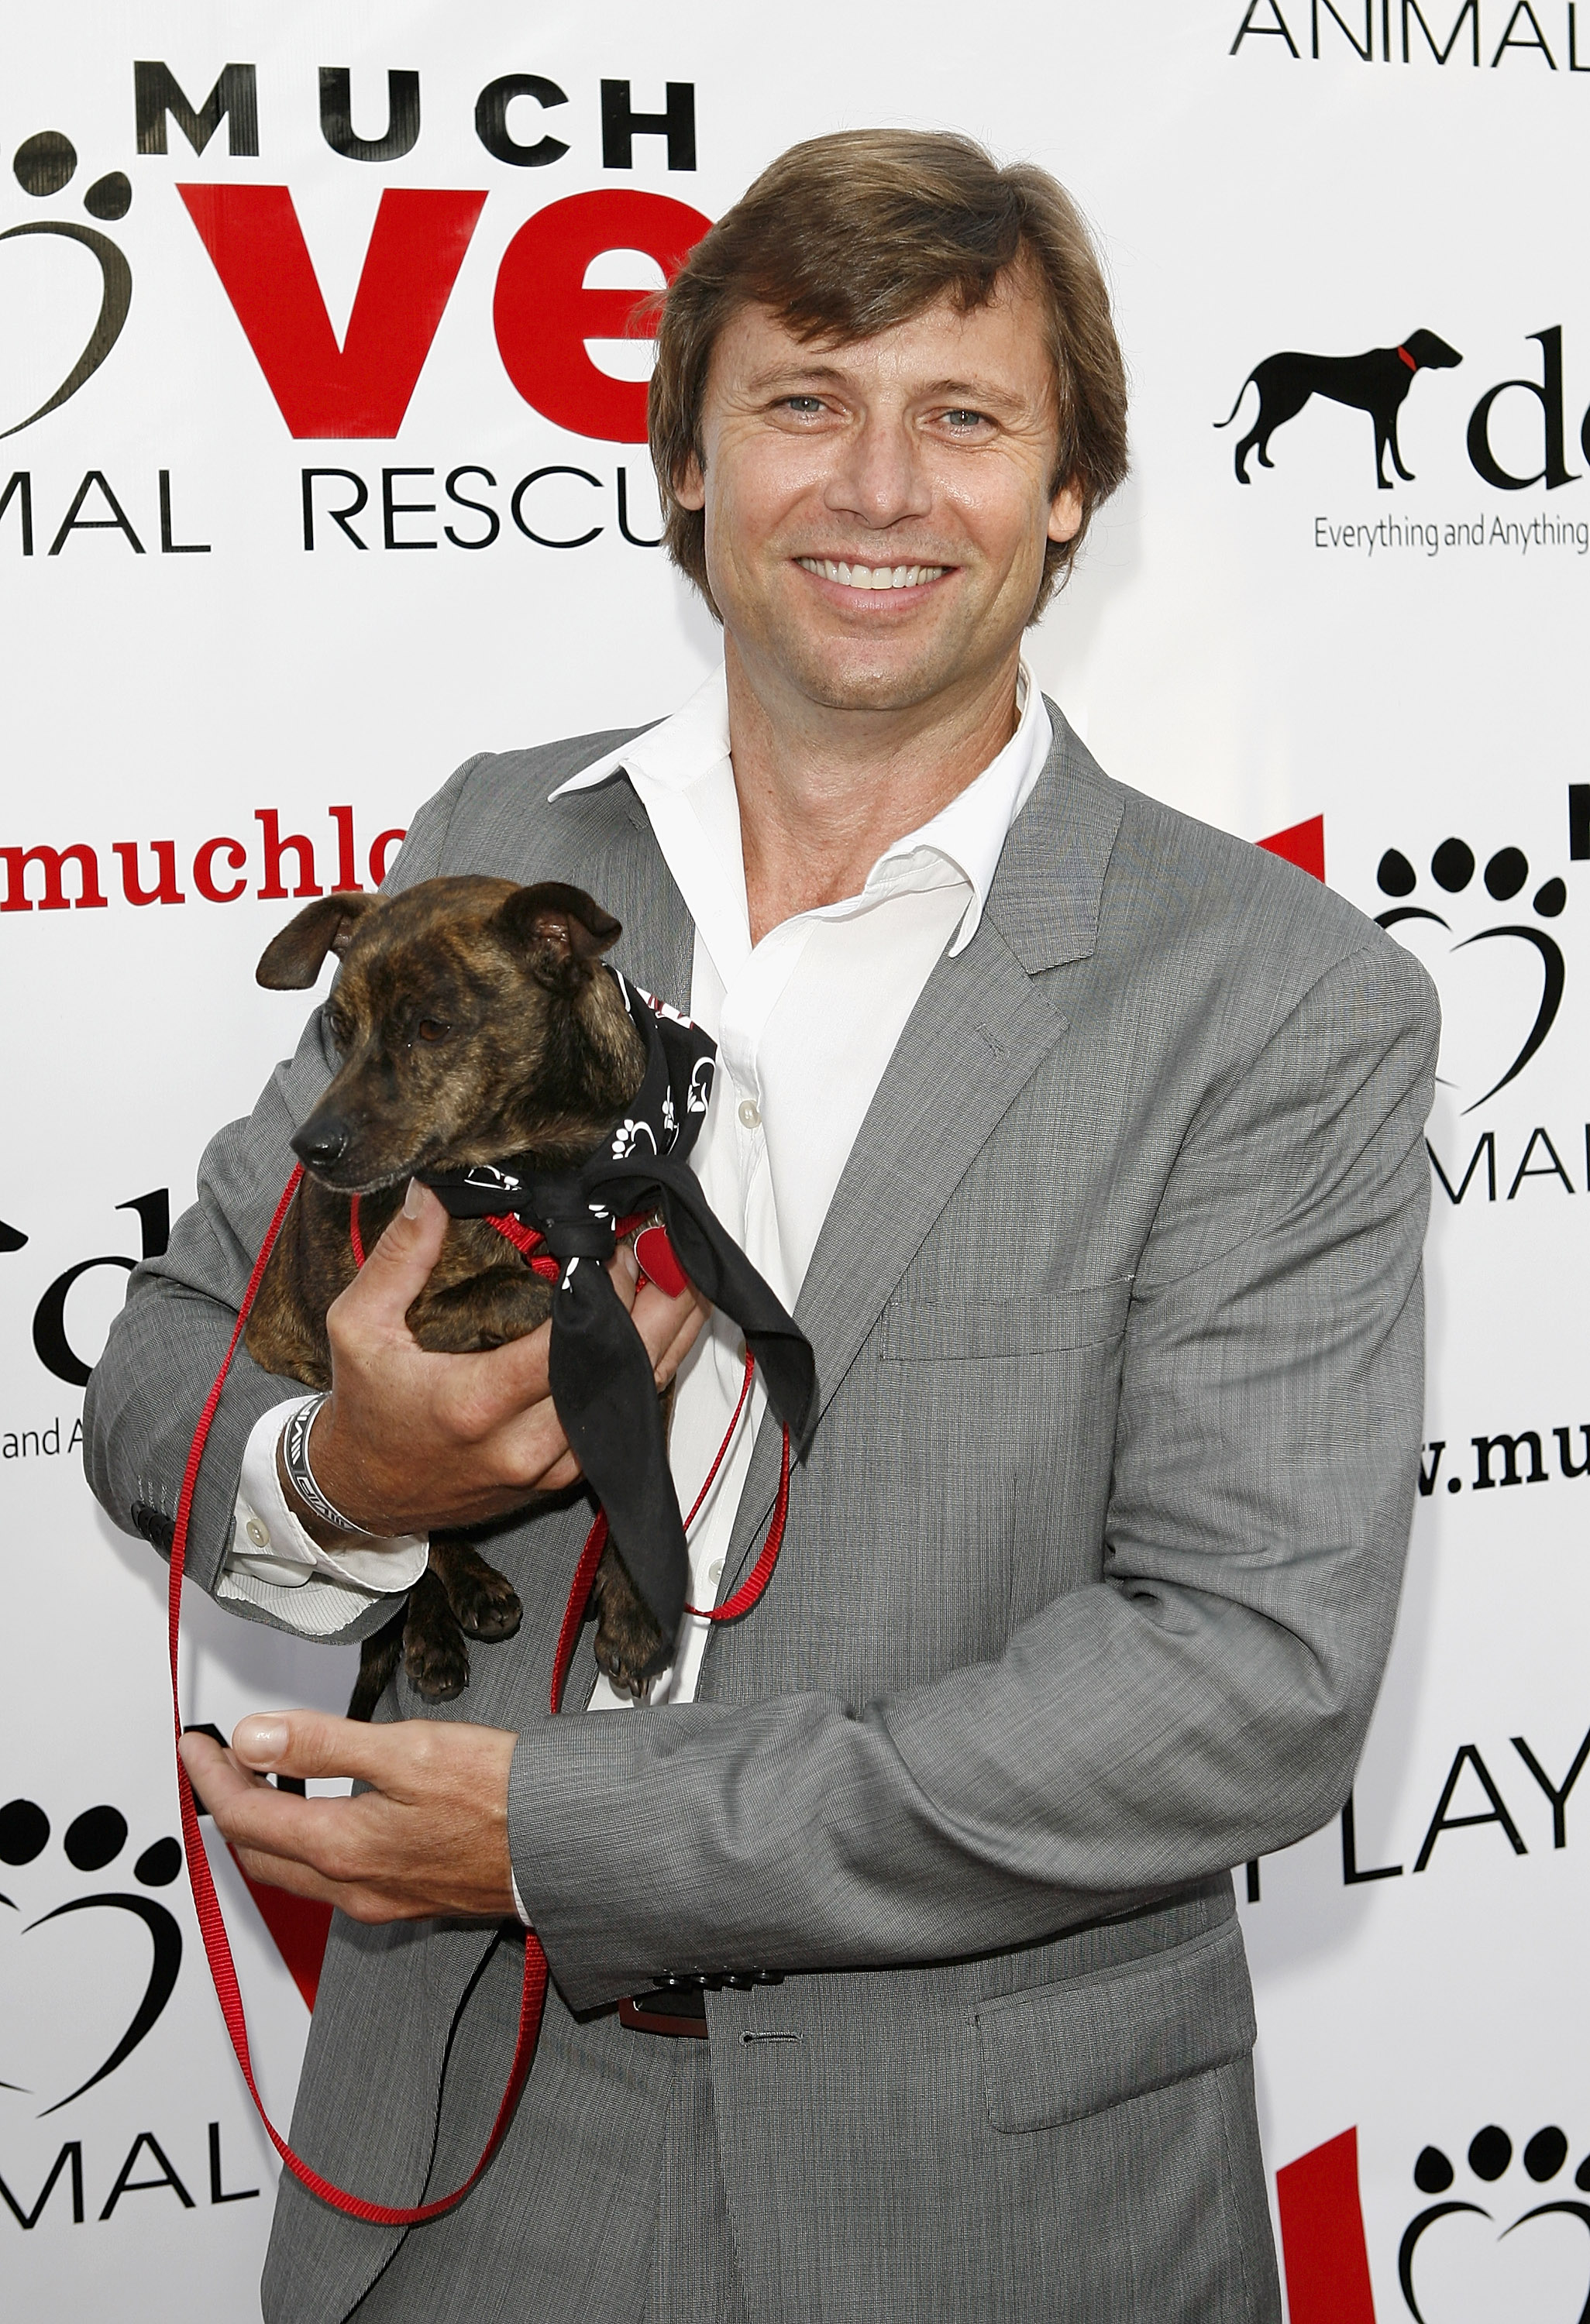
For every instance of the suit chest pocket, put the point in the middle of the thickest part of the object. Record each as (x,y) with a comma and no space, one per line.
(916,1330)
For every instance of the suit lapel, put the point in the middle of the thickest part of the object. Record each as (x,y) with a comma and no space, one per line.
(980,1030)
(609,832)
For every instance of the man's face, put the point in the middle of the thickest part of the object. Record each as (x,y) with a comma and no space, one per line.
(877,513)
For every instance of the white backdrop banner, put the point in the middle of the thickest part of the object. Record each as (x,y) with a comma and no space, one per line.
(323,466)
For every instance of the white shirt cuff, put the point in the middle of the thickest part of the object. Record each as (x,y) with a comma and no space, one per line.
(270,1545)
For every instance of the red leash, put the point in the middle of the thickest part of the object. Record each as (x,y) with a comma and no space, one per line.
(212,1927)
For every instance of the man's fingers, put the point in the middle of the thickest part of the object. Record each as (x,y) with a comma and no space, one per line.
(668,1327)
(306,1743)
(251,1813)
(396,1270)
(211,1770)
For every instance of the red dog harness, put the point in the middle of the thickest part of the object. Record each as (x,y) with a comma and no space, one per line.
(659,1263)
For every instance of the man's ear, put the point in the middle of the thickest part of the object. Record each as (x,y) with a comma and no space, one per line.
(295,956)
(1065,513)
(690,487)
(560,930)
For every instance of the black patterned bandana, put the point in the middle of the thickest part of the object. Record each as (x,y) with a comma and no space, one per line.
(601,1374)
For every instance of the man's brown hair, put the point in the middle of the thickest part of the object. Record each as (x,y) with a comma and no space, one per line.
(848,235)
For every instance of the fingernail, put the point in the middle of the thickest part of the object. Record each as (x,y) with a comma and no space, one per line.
(414,1200)
(260,1741)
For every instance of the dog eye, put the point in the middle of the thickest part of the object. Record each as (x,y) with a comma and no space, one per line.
(431,1028)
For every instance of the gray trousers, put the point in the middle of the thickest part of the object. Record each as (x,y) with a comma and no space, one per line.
(533,2245)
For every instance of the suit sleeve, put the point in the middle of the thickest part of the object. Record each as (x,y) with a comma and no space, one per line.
(166,1346)
(1204,1703)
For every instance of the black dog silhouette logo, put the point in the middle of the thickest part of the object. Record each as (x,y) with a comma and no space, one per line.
(1376,382)
(1489,2160)
(91,1844)
(1495,1025)
(45,165)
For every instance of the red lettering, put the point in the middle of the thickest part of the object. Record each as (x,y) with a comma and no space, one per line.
(204,870)
(52,861)
(347,881)
(378,853)
(271,888)
(361,388)
(165,890)
(544,314)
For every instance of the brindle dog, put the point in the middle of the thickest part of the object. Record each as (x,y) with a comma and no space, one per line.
(473,1020)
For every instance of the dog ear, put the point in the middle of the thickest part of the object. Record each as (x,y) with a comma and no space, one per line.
(293,959)
(560,930)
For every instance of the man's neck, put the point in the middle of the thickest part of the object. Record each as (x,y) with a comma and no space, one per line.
(824,792)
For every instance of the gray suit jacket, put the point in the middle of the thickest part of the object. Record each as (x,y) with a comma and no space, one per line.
(1088,1583)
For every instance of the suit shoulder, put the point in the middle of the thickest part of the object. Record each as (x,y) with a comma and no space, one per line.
(493,814)
(1197,910)
(1209,880)
(516,779)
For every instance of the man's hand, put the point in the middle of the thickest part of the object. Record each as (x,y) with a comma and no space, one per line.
(410,1442)
(429,1837)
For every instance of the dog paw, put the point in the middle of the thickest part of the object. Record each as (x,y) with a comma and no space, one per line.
(437,1662)
(486,1603)
(631,1650)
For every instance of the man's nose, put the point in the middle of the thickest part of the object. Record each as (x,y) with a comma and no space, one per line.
(880,476)
(322,1141)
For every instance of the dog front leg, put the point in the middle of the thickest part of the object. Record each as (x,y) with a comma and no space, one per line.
(435,1652)
(379,1656)
(629,1648)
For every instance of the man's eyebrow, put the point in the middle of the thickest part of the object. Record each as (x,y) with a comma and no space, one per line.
(792,378)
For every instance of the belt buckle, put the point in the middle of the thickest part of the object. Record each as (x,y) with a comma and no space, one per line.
(680,2014)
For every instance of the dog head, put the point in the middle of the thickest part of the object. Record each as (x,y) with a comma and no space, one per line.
(473,1020)
(1430,353)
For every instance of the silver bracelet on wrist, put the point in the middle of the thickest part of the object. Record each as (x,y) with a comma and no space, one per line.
(295,1462)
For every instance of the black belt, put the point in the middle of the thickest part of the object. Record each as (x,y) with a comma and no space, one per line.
(677,2005)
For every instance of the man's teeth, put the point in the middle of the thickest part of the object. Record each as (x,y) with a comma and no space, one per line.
(873,576)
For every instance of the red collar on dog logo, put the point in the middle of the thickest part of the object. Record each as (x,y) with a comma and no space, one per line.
(1410,360)
(212,1927)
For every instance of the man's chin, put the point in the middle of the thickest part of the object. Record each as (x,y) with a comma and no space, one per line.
(861,683)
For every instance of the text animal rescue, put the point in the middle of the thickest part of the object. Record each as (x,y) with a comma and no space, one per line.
(1399,31)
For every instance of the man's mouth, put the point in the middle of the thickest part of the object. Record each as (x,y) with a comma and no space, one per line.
(873,576)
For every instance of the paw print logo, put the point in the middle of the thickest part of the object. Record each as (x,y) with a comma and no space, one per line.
(45,165)
(90,1844)
(1505,877)
(628,1135)
(1490,2159)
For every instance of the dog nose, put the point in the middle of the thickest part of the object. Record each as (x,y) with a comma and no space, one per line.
(321,1145)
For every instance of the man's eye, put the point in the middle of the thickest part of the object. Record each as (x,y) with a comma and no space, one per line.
(963,420)
(804,407)
(432,1028)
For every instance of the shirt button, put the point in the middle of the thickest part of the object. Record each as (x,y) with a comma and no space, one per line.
(750,1119)
(715,1571)
(257,1534)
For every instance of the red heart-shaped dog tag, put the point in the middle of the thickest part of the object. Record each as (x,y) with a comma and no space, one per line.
(658,1262)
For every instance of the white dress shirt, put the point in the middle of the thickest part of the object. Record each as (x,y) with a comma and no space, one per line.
(806,1022)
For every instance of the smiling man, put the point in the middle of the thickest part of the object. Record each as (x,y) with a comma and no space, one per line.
(1085,1143)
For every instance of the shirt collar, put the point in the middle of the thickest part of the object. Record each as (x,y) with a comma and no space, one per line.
(684,752)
